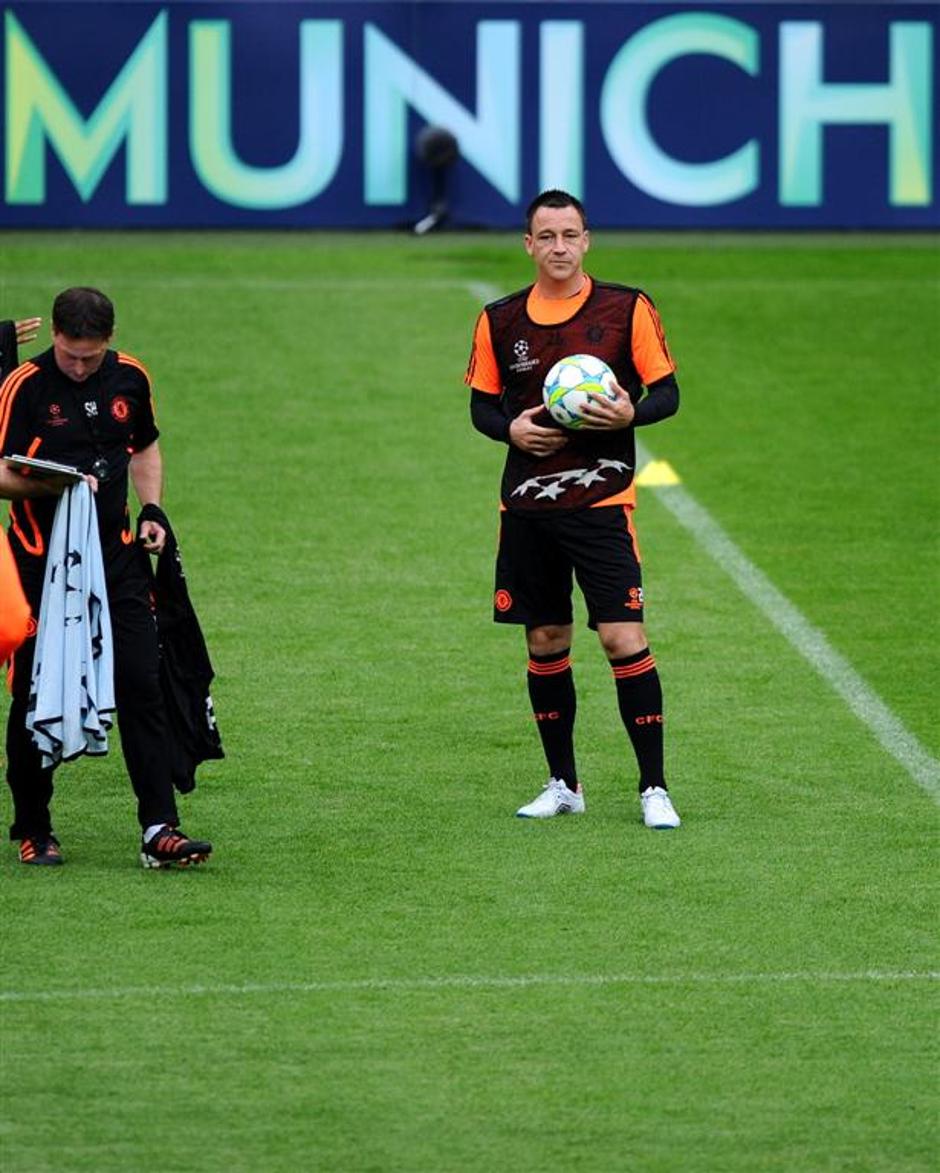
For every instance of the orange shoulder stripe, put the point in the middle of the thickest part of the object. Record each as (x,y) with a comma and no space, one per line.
(651,355)
(8,390)
(482,370)
(130,361)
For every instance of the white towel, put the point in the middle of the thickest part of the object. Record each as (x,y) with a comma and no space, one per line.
(71,697)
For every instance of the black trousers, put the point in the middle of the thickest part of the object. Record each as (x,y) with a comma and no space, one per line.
(140,708)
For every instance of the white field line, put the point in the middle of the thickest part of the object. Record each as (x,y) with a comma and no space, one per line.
(808,640)
(469,982)
(481,291)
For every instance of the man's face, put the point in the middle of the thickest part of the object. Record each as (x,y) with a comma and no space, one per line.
(78,358)
(557,242)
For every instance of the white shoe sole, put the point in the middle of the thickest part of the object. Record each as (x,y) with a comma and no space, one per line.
(522,813)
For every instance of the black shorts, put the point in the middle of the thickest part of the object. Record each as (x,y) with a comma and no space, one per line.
(539,553)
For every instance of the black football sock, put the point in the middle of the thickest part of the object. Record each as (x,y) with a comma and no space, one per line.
(640,697)
(554,704)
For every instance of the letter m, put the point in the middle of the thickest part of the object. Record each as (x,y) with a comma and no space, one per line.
(39,111)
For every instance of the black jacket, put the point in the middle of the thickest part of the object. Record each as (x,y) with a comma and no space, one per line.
(8,349)
(185,670)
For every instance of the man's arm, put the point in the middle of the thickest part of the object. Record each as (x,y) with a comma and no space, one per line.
(660,402)
(522,432)
(13,335)
(14,428)
(146,469)
(654,365)
(27,330)
(486,408)
(487,415)
(14,486)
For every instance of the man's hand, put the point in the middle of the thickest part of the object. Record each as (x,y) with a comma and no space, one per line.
(58,483)
(531,437)
(27,329)
(603,414)
(152,536)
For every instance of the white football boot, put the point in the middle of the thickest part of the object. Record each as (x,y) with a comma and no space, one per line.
(555,799)
(658,811)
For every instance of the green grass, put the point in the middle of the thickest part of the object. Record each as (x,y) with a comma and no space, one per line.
(382,970)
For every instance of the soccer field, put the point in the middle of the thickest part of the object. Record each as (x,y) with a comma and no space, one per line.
(381,969)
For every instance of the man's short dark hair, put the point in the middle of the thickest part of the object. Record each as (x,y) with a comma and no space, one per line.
(554,198)
(83,312)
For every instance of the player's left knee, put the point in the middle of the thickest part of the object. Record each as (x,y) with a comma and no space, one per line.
(621,639)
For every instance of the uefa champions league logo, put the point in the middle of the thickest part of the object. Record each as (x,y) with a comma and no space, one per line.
(520,349)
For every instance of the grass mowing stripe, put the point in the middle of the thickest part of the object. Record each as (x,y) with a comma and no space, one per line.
(808,640)
(479,289)
(268,284)
(467,982)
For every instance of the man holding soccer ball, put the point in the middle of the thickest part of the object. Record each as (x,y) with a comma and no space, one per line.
(567,491)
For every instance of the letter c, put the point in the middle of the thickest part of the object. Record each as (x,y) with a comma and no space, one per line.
(623,110)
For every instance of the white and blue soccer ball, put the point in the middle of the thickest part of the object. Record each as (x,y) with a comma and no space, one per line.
(571,383)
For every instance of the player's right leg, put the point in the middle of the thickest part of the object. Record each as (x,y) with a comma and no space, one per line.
(554,707)
(144,726)
(533,588)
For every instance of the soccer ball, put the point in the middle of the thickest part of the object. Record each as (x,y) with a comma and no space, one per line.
(571,383)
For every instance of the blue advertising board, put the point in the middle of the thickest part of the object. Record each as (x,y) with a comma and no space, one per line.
(306,114)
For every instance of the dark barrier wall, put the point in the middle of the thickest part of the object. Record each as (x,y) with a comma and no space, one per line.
(306,114)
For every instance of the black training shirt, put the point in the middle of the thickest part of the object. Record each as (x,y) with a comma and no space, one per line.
(108,418)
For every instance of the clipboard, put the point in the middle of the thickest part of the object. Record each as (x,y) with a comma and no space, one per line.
(42,468)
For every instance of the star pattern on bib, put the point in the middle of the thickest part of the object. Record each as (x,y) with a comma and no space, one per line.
(551,486)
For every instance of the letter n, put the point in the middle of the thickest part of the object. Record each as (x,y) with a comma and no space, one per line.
(488,138)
